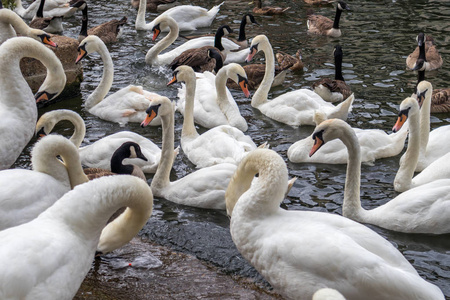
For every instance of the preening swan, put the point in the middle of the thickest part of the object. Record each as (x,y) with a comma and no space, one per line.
(99,153)
(52,8)
(127,104)
(188,17)
(294,108)
(18,112)
(212,109)
(374,143)
(53,253)
(24,194)
(425,209)
(322,25)
(203,188)
(299,252)
(223,143)
(11,25)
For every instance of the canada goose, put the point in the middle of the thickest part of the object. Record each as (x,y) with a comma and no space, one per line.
(48,24)
(318,24)
(267,10)
(108,32)
(312,2)
(333,90)
(155,5)
(200,59)
(426,50)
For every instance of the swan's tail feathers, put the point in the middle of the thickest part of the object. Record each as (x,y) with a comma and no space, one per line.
(264,145)
(319,117)
(213,11)
(343,109)
(290,184)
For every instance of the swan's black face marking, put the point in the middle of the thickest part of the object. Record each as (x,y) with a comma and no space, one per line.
(402,117)
(45,38)
(156,31)
(152,112)
(81,52)
(243,83)
(318,142)
(253,51)
(421,97)
(174,78)
(42,97)
(40,133)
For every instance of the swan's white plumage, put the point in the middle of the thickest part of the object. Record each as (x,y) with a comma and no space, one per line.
(99,153)
(294,108)
(188,17)
(18,112)
(327,294)
(424,209)
(299,252)
(203,188)
(52,8)
(213,103)
(127,104)
(52,254)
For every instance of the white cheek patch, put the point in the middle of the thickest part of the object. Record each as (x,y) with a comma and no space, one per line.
(133,152)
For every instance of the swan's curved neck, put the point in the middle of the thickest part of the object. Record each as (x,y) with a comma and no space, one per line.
(425,111)
(261,94)
(162,175)
(107,78)
(188,121)
(154,51)
(337,17)
(140,17)
(8,19)
(79,127)
(222,97)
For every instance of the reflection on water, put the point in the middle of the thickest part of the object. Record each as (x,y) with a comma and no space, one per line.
(377,37)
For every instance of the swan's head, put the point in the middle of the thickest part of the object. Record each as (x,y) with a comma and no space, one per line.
(161,106)
(90,44)
(424,90)
(408,107)
(41,36)
(182,74)
(45,124)
(161,23)
(237,73)
(342,5)
(328,130)
(258,42)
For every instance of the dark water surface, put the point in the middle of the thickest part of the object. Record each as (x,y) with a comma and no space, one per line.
(377,37)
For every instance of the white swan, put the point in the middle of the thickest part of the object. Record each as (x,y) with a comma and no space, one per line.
(374,143)
(11,25)
(223,143)
(212,109)
(127,104)
(433,144)
(299,252)
(99,153)
(153,56)
(18,112)
(327,294)
(294,108)
(424,209)
(24,194)
(188,17)
(438,169)
(203,188)
(53,253)
(52,8)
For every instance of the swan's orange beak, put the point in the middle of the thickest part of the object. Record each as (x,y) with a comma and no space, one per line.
(42,97)
(318,142)
(253,51)
(81,53)
(243,83)
(400,121)
(156,33)
(174,80)
(152,112)
(46,40)
(40,133)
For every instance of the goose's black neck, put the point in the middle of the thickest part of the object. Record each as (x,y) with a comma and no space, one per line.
(242,36)
(83,31)
(338,64)
(116,161)
(40,11)
(337,17)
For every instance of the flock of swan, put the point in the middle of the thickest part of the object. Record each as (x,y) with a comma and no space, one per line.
(302,254)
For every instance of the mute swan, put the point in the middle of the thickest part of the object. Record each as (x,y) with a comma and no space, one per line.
(333,90)
(99,153)
(188,17)
(427,51)
(438,169)
(127,104)
(108,32)
(211,110)
(52,8)
(126,150)
(48,24)
(204,188)
(424,209)
(18,112)
(327,294)
(154,58)
(24,194)
(294,108)
(374,144)
(11,23)
(322,25)
(53,253)
(223,143)
(267,10)
(299,252)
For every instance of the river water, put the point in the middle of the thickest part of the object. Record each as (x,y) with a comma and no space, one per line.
(377,37)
